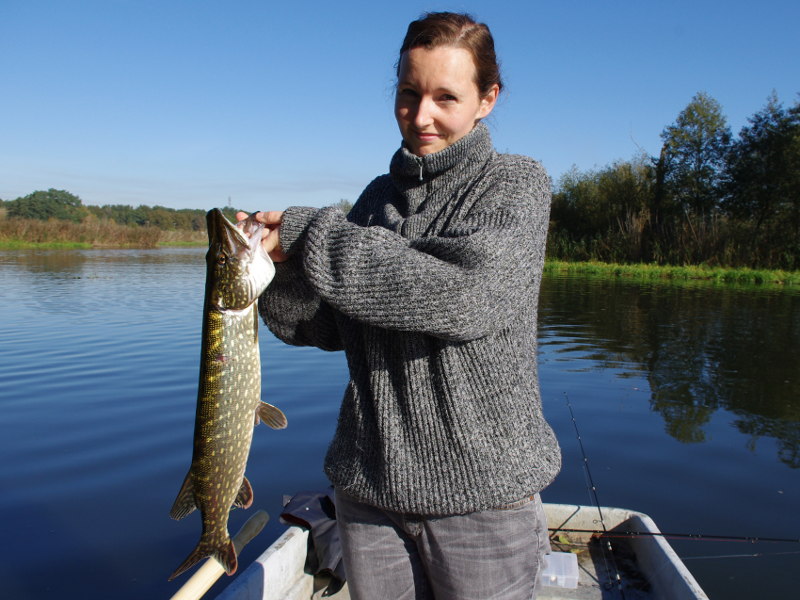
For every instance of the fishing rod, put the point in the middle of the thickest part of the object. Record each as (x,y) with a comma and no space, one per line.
(752,555)
(597,534)
(617,578)
(703,537)
(634,533)
(587,471)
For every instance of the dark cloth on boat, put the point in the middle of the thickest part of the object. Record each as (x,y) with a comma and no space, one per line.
(315,511)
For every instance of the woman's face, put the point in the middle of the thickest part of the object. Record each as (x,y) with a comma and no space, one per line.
(437,101)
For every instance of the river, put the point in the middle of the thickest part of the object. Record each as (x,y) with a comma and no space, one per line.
(686,398)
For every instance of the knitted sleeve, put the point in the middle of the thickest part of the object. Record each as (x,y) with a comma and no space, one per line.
(295,313)
(463,284)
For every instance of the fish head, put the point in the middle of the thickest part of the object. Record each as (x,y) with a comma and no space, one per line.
(238,267)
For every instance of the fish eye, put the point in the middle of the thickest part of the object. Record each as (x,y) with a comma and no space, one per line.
(221,259)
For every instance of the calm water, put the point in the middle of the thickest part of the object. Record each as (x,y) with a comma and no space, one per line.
(687,400)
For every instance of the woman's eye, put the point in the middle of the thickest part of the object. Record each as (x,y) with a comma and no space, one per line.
(408,93)
(448,98)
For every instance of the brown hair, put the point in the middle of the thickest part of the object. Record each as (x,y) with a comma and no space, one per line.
(459,30)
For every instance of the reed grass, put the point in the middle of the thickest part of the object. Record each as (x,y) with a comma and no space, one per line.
(650,272)
(91,233)
(183,238)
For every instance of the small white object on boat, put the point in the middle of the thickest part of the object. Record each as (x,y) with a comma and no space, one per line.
(637,566)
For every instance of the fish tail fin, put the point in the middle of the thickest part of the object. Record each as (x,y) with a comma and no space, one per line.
(226,556)
(271,415)
(223,551)
(198,554)
(184,504)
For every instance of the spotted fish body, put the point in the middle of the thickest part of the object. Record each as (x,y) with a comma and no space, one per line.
(229,392)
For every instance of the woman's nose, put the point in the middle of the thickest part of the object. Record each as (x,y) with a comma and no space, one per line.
(424,113)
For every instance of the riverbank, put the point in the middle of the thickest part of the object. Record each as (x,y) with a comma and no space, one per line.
(17,245)
(19,234)
(644,272)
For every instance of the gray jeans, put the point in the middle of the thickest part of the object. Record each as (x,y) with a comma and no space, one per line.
(494,554)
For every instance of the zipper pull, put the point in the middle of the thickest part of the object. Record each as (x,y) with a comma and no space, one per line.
(420,171)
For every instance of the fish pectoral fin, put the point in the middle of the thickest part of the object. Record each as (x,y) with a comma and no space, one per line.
(271,415)
(245,496)
(184,503)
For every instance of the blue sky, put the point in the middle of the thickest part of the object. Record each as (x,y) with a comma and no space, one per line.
(189,103)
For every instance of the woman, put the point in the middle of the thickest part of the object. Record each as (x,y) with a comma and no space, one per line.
(430,286)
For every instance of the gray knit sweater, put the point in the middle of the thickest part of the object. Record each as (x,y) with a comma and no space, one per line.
(430,285)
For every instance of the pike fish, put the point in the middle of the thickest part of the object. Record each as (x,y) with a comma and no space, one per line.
(229,392)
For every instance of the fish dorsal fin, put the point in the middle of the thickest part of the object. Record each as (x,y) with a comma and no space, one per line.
(184,504)
(245,496)
(271,415)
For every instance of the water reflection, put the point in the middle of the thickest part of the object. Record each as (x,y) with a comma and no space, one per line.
(100,354)
(80,282)
(701,348)
(62,263)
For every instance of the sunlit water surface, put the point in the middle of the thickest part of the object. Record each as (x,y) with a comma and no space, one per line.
(687,399)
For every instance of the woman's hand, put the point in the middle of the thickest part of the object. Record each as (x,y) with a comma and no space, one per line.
(272,240)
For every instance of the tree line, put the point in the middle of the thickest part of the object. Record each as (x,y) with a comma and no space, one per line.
(65,206)
(707,198)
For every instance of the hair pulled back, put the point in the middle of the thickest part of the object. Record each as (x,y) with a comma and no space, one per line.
(458,30)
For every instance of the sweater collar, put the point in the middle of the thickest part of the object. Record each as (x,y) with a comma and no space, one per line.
(407,168)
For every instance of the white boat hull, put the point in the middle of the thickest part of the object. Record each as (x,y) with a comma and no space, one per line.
(278,573)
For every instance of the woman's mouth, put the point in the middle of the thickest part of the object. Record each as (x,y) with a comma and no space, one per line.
(426,136)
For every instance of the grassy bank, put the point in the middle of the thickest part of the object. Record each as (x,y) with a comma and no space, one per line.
(92,233)
(646,272)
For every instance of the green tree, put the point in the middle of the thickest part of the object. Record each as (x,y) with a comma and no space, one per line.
(119,213)
(52,204)
(601,214)
(693,158)
(576,204)
(763,185)
(344,205)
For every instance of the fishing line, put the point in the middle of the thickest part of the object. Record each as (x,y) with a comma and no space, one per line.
(616,578)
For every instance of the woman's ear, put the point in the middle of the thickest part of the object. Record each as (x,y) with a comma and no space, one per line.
(488,101)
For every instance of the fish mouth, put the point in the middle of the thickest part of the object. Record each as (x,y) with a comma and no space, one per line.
(231,238)
(238,267)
